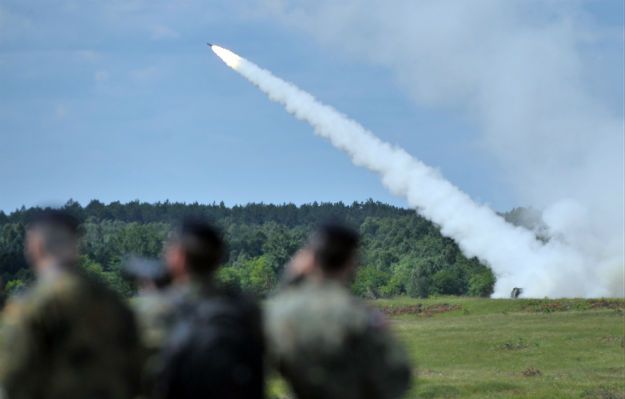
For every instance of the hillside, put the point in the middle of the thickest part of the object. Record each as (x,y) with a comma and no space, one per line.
(402,254)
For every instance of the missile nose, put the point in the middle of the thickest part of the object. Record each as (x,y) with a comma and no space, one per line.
(210,44)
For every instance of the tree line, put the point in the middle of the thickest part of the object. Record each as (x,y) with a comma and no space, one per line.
(402,253)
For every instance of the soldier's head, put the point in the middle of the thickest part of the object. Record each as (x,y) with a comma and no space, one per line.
(194,250)
(52,238)
(335,250)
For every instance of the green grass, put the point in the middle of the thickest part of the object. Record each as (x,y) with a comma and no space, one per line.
(501,348)
(515,348)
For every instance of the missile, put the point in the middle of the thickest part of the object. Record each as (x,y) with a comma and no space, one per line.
(227,56)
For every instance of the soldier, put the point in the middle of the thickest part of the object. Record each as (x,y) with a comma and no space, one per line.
(68,336)
(326,343)
(152,309)
(214,344)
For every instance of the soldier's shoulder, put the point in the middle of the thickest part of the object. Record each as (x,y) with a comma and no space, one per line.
(61,284)
(14,310)
(34,302)
(154,314)
(153,308)
(323,313)
(42,290)
(82,286)
(318,297)
(151,302)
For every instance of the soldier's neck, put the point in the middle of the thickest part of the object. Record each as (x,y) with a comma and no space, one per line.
(48,268)
(322,278)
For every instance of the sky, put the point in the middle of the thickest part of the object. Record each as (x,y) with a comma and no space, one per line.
(122,99)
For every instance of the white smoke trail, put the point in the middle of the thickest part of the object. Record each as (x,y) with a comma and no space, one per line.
(516,257)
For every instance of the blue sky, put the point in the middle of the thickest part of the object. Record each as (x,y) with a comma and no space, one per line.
(122,100)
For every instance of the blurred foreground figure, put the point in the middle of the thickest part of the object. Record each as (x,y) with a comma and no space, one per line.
(68,337)
(214,346)
(301,266)
(154,312)
(326,343)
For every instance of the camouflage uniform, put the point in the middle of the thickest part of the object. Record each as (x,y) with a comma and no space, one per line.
(327,344)
(69,337)
(172,320)
(155,315)
(158,312)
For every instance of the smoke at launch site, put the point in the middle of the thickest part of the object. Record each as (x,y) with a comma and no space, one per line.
(524,73)
(554,268)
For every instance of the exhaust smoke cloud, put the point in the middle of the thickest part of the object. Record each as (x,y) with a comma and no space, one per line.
(539,82)
(554,269)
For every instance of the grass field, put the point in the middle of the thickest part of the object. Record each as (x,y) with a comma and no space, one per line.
(501,348)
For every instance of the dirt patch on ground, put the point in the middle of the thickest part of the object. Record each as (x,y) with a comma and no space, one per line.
(554,305)
(516,345)
(532,372)
(419,309)
(547,307)
(607,304)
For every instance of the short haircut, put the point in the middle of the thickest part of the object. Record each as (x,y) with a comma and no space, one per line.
(202,244)
(334,245)
(58,230)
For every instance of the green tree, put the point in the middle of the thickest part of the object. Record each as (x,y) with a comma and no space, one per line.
(111,278)
(482,284)
(449,281)
(262,277)
(401,252)
(369,280)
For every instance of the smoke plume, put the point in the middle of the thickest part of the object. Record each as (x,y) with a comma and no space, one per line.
(529,76)
(515,255)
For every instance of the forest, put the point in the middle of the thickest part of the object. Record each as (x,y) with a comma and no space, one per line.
(402,253)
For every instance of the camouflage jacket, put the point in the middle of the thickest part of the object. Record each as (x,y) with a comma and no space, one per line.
(180,326)
(69,337)
(156,314)
(327,344)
